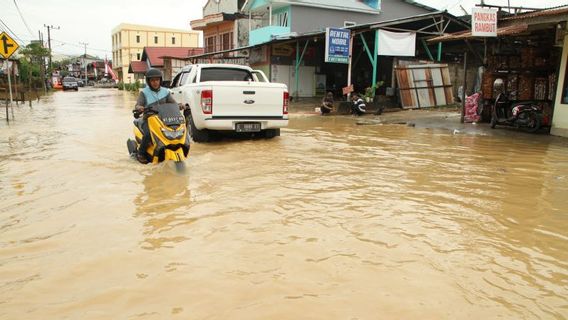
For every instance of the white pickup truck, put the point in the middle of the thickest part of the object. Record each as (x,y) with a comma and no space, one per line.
(224,97)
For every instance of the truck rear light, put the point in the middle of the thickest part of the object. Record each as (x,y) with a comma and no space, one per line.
(285,102)
(207,101)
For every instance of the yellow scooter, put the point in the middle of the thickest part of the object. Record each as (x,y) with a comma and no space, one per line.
(169,137)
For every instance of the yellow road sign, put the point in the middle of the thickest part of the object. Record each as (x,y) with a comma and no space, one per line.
(7,45)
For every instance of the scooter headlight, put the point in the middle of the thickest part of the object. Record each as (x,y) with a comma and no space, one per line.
(173,135)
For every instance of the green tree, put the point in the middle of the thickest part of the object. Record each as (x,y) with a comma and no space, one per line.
(34,55)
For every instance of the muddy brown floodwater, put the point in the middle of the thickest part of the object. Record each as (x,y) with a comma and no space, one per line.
(332,220)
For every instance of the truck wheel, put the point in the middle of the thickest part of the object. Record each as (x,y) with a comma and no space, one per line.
(196,134)
(271,133)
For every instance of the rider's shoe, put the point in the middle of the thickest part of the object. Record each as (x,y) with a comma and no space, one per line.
(142,158)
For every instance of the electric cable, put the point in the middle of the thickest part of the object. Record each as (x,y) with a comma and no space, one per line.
(12,32)
(78,46)
(24,20)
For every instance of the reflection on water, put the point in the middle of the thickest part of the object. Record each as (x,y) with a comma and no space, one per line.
(332,219)
(164,203)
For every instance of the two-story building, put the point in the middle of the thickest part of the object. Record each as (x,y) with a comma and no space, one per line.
(222,26)
(287,40)
(302,67)
(296,17)
(129,41)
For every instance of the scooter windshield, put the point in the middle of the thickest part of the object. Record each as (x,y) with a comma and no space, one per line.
(170,115)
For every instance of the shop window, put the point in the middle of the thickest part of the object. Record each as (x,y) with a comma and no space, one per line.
(564,99)
(138,57)
(210,44)
(226,41)
(282,19)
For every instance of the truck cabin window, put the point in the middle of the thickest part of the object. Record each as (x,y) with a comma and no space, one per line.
(225,74)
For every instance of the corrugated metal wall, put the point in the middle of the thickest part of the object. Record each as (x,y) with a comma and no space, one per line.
(425,85)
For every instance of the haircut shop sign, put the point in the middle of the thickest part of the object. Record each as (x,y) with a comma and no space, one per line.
(483,22)
(337,43)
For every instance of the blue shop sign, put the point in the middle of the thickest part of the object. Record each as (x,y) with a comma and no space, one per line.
(337,42)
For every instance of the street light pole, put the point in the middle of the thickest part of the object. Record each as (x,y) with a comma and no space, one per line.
(85,61)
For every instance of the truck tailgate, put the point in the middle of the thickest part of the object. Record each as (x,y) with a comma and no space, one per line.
(247,99)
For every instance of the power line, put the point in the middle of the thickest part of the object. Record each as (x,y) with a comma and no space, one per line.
(79,45)
(24,20)
(12,32)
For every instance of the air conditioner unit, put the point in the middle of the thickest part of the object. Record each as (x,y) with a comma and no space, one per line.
(347,24)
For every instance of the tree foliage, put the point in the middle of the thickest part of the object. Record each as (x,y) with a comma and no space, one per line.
(34,52)
(34,55)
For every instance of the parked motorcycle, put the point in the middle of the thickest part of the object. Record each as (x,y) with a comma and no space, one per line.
(169,137)
(527,116)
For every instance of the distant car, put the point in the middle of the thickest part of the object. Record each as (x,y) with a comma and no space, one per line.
(70,83)
(80,82)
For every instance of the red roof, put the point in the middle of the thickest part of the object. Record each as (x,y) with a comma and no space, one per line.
(561,10)
(154,54)
(137,67)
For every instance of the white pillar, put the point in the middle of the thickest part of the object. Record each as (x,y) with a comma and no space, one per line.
(350,63)
(250,23)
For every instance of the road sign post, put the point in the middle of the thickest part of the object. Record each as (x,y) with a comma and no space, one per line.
(7,47)
(10,81)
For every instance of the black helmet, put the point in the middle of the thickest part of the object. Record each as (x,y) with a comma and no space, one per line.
(153,73)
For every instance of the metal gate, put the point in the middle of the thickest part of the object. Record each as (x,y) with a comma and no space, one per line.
(425,85)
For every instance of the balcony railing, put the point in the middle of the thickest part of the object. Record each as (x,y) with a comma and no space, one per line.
(219,47)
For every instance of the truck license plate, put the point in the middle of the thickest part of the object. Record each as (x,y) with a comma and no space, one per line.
(248,127)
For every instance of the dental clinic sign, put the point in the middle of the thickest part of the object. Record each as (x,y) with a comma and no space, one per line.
(483,22)
(337,42)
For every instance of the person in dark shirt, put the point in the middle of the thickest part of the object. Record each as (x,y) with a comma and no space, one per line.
(358,108)
(327,104)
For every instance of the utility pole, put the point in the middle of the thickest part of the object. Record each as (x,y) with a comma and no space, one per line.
(42,65)
(49,41)
(85,61)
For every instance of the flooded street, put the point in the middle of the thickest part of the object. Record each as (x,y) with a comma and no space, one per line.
(332,220)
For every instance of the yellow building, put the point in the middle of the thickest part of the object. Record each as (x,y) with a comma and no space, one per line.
(129,40)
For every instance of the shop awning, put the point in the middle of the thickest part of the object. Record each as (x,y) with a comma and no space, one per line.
(466,35)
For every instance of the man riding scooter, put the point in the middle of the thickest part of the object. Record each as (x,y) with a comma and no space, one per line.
(151,96)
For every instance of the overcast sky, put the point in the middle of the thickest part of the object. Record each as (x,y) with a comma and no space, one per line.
(92,21)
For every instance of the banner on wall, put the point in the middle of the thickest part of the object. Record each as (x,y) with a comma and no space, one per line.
(483,22)
(397,44)
(283,50)
(337,43)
